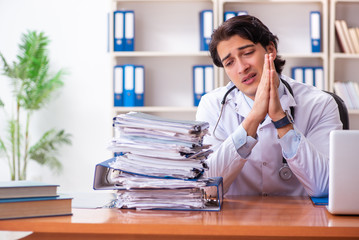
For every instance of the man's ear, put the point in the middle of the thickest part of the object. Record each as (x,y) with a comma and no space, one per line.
(271,49)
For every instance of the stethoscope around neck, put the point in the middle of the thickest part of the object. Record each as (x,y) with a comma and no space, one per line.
(284,172)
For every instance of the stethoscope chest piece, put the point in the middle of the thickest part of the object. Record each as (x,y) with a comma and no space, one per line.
(285,173)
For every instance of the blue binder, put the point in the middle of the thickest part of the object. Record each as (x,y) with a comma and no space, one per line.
(118,86)
(129,30)
(206,29)
(139,85)
(309,76)
(228,15)
(319,77)
(124,30)
(315,31)
(208,78)
(298,74)
(119,31)
(241,13)
(198,84)
(203,81)
(129,85)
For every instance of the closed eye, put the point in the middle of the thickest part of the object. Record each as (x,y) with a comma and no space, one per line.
(248,53)
(228,63)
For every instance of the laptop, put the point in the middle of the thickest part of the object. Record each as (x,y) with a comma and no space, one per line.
(344,172)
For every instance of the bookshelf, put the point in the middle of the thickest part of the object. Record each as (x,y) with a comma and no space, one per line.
(167,44)
(289,20)
(343,66)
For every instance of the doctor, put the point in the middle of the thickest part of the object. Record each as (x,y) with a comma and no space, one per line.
(258,148)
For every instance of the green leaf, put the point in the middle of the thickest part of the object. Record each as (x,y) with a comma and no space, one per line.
(1,103)
(45,150)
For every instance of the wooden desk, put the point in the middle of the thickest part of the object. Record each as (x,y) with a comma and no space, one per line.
(241,218)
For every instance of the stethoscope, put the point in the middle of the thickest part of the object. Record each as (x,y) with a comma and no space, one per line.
(284,172)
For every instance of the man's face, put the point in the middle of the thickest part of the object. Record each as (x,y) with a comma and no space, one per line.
(243,62)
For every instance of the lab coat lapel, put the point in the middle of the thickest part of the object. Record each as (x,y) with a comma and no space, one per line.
(242,107)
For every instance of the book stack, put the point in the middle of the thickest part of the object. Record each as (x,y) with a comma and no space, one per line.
(349,92)
(160,165)
(25,199)
(348,38)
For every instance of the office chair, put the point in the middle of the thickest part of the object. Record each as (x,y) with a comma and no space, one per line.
(343,111)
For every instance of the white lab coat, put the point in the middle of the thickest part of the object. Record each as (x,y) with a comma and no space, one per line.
(316,114)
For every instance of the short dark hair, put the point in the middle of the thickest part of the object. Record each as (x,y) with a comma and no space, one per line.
(247,27)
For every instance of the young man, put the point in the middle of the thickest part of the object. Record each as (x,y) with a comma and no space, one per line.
(258,149)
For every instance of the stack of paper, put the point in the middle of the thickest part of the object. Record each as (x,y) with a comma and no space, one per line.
(159,147)
(160,165)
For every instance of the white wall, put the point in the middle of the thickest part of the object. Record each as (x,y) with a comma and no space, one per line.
(78,33)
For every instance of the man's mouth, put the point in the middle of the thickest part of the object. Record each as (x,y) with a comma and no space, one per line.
(249,78)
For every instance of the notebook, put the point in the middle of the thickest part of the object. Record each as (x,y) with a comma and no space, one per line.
(344,172)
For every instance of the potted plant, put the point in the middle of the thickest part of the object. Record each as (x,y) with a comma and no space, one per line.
(32,87)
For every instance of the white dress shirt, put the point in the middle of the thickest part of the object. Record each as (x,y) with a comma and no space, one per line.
(251,166)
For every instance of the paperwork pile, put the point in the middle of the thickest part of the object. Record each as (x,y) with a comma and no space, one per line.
(160,164)
(159,147)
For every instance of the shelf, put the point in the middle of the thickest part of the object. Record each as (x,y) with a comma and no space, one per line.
(302,55)
(122,1)
(157,109)
(345,1)
(345,56)
(353,111)
(272,1)
(160,54)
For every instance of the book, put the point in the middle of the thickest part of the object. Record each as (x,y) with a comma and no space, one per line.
(354,39)
(35,207)
(342,41)
(26,189)
(347,36)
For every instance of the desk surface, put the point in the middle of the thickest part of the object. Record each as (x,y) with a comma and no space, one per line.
(246,217)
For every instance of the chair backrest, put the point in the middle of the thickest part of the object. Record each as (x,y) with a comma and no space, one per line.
(343,111)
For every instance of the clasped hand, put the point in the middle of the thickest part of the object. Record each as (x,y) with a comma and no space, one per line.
(266,100)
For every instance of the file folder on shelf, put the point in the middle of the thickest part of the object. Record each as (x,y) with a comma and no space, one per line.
(315,31)
(198,84)
(211,189)
(129,86)
(298,74)
(129,30)
(313,76)
(118,86)
(119,31)
(319,77)
(206,29)
(230,14)
(124,30)
(139,85)
(208,79)
(203,81)
(309,76)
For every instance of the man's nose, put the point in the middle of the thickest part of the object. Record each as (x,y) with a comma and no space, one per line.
(242,66)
